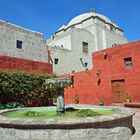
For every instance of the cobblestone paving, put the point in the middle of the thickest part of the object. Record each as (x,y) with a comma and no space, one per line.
(136,123)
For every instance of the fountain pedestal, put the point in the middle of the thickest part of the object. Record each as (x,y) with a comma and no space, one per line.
(60,91)
(60,101)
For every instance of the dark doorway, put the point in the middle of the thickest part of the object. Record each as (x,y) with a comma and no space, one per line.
(118,90)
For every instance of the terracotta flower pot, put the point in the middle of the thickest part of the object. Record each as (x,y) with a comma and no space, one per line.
(128,100)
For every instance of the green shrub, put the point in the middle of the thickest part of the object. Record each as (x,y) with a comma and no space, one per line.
(11,105)
(6,88)
(28,89)
(24,88)
(2,106)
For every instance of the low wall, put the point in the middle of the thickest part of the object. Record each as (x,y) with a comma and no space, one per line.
(118,133)
(17,64)
(113,127)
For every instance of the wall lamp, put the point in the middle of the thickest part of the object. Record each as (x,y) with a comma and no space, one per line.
(72,78)
(105,55)
(98,74)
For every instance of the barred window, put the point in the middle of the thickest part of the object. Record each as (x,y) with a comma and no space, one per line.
(85,47)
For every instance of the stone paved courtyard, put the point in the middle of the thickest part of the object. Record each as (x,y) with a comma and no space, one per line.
(136,123)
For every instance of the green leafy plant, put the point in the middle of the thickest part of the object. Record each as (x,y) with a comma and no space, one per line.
(11,105)
(101,102)
(33,114)
(6,88)
(87,113)
(2,106)
(127,97)
(25,88)
(76,99)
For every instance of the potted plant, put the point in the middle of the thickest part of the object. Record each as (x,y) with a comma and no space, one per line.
(127,98)
(76,99)
(101,102)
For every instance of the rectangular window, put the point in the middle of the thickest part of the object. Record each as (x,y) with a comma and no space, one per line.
(85,47)
(128,62)
(86,64)
(56,61)
(19,44)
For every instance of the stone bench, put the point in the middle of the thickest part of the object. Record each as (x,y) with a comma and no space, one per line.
(132,104)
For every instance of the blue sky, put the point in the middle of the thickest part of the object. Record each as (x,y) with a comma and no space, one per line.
(46,16)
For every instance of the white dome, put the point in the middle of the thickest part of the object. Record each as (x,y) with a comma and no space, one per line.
(79,18)
(85,16)
(82,17)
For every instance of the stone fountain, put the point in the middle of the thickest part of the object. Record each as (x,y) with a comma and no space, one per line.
(116,126)
(60,91)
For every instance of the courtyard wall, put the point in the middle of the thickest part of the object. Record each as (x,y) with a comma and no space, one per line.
(109,66)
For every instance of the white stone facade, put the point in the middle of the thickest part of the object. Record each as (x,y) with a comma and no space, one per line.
(66,45)
(73,58)
(33,44)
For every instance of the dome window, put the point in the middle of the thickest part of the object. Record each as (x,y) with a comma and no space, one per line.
(112,28)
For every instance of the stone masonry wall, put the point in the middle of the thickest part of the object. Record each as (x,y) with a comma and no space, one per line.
(118,133)
(33,43)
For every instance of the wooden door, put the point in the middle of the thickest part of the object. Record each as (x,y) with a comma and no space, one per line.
(118,90)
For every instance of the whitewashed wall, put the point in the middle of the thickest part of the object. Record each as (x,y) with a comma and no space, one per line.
(33,46)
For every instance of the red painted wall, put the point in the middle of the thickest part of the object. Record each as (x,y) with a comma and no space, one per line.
(89,88)
(18,64)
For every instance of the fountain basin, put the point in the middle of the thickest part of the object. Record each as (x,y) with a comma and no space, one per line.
(117,126)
